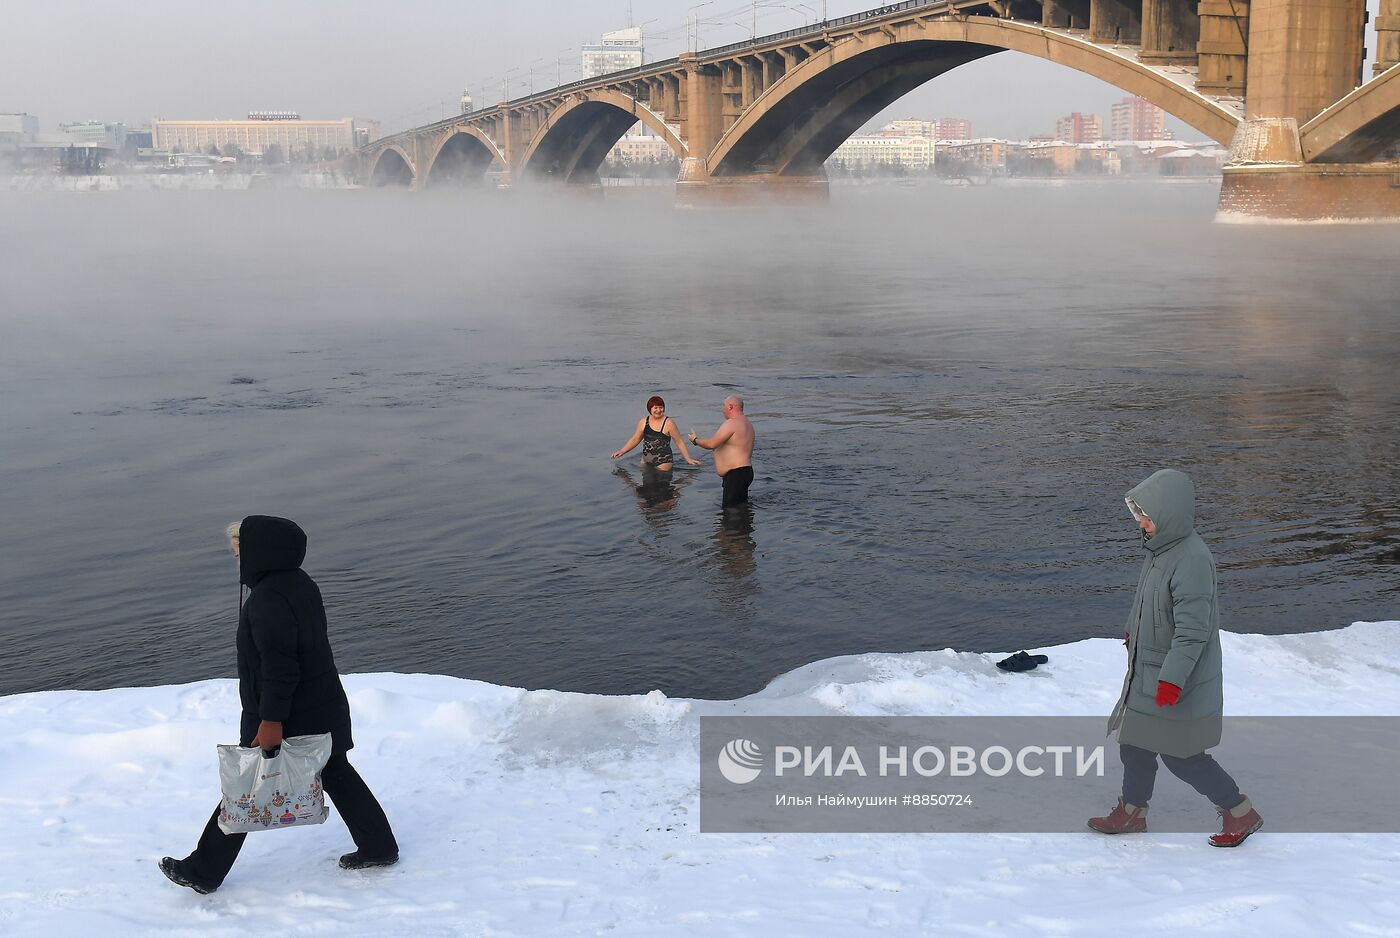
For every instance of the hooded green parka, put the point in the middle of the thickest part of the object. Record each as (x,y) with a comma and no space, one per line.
(1173,629)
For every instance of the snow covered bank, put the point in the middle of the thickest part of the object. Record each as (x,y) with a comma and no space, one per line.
(542,813)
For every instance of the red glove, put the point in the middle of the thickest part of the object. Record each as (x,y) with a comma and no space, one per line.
(1167,694)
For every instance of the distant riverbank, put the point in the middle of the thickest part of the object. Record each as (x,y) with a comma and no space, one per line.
(146,182)
(1013,181)
(149,182)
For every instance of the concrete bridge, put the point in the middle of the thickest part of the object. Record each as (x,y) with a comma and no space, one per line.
(1277,81)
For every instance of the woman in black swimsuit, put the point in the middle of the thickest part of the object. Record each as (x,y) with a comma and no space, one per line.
(655,432)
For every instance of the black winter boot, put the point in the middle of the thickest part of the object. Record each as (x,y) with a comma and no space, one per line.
(175,871)
(358,861)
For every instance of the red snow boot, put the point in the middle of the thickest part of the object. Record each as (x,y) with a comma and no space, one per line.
(1236,824)
(1123,819)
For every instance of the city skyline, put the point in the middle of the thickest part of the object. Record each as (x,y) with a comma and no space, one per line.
(329,61)
(949,127)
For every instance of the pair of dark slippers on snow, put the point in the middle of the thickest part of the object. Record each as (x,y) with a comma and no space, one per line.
(1022,662)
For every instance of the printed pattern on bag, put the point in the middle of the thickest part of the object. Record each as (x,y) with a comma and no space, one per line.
(283,791)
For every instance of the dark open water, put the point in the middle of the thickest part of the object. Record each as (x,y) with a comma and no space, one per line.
(953,389)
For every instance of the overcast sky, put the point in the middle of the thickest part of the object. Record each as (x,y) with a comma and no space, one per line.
(406,63)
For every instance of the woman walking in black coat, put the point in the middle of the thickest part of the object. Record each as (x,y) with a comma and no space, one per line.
(288,686)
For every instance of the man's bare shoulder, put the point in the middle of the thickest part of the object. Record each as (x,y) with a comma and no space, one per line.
(735,425)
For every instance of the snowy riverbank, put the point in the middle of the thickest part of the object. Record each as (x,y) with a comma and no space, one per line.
(541,813)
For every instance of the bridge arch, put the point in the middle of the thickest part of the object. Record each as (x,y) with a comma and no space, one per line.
(1360,127)
(799,121)
(576,138)
(462,157)
(392,167)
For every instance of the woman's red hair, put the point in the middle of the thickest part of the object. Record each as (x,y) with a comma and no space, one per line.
(653,401)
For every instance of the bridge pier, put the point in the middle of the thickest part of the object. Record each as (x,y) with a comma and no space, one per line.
(1311,192)
(1387,36)
(765,188)
(1266,180)
(1304,55)
(1171,32)
(1118,21)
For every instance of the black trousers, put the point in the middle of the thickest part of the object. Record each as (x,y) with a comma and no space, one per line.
(214,856)
(736,484)
(1200,771)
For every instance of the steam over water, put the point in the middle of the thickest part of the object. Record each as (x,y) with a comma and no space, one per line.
(953,388)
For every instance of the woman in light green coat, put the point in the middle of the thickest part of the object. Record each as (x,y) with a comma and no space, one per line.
(1172,703)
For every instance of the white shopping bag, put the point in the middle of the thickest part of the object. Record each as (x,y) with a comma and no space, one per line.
(263,793)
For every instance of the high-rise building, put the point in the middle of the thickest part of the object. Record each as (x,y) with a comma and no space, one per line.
(16,129)
(1047,158)
(911,128)
(95,133)
(467,106)
(255,135)
(634,149)
(988,155)
(866,150)
(19,124)
(1136,119)
(1079,128)
(365,132)
(953,128)
(617,52)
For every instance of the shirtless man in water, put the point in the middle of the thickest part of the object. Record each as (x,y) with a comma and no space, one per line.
(733,446)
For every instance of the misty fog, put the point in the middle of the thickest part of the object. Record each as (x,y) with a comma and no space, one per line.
(953,387)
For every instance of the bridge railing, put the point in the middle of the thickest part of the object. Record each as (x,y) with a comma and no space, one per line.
(665,65)
(816,29)
(826,25)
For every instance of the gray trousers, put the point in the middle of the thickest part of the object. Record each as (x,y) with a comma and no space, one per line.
(1200,771)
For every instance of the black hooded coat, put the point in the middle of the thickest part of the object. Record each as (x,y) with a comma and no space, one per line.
(286,672)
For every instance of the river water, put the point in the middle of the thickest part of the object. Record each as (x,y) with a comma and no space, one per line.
(953,388)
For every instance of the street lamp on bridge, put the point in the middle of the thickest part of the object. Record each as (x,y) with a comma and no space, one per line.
(695,24)
(756,5)
(505,82)
(642,33)
(559,66)
(531,69)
